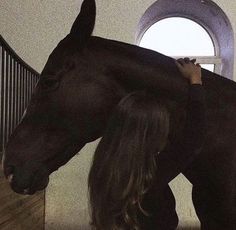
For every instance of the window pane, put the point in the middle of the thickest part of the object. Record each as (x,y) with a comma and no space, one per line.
(178,37)
(208,67)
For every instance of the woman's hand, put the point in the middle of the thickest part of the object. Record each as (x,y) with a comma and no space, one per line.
(189,70)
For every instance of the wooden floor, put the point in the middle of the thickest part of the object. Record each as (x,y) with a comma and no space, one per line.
(19,212)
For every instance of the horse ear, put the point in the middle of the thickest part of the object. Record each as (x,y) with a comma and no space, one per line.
(84,23)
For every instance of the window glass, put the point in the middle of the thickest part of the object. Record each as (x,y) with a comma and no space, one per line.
(209,67)
(178,36)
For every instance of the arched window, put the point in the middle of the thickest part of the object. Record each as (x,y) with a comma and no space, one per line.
(197,29)
(189,40)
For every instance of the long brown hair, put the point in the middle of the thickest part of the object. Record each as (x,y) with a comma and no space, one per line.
(124,164)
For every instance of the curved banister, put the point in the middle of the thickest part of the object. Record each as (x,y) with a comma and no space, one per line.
(15,55)
(17,81)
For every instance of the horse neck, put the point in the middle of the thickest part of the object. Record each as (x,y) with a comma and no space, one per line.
(135,68)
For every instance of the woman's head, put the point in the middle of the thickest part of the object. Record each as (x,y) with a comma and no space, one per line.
(124,164)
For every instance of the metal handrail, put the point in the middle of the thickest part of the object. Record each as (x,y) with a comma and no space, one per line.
(17,82)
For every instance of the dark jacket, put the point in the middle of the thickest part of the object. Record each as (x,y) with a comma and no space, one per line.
(176,158)
(159,201)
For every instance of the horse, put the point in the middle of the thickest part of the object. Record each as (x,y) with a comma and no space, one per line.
(84,79)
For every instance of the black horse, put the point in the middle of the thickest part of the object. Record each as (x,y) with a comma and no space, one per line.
(84,78)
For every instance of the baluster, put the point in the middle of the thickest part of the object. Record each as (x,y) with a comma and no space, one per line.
(14,93)
(17,83)
(18,93)
(7,99)
(11,98)
(2,97)
(21,91)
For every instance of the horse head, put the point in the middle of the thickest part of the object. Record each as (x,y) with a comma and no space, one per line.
(53,129)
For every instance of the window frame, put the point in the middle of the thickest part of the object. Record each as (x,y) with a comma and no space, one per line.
(209,16)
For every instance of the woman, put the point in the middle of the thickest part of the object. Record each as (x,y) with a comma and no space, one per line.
(135,160)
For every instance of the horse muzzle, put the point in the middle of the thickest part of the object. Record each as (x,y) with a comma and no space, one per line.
(28,178)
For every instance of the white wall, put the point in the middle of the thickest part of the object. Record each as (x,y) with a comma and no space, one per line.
(33,28)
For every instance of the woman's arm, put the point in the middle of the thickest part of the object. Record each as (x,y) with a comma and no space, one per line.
(177,157)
